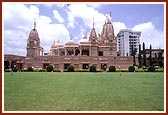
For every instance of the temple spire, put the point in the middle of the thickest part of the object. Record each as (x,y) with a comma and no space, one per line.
(110,14)
(93,22)
(34,23)
(71,37)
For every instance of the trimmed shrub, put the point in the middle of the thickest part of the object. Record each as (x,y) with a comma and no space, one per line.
(100,70)
(92,68)
(85,70)
(131,69)
(55,70)
(159,70)
(49,68)
(42,70)
(112,69)
(30,69)
(15,69)
(151,69)
(140,70)
(7,70)
(65,70)
(70,68)
(78,70)
(23,70)
(124,70)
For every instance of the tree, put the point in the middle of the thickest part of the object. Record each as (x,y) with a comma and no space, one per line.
(133,53)
(150,56)
(144,55)
(139,56)
(160,53)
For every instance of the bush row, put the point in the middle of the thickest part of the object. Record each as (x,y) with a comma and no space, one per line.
(91,69)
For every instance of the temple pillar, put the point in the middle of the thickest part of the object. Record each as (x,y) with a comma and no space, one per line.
(80,51)
(90,51)
(65,52)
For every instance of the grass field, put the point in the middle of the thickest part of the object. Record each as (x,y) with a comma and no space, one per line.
(42,91)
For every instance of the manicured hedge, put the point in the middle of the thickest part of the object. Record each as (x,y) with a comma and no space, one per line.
(7,70)
(55,70)
(151,69)
(112,69)
(92,68)
(71,69)
(30,69)
(50,68)
(131,69)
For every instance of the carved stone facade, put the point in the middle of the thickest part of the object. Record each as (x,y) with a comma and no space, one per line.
(100,51)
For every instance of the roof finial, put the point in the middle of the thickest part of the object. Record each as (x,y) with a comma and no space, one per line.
(93,22)
(86,33)
(34,23)
(110,14)
(71,37)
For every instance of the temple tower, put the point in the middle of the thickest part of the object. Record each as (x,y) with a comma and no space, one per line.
(33,43)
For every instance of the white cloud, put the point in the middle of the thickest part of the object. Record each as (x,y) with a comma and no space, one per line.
(18,22)
(96,6)
(86,13)
(150,35)
(58,16)
(118,26)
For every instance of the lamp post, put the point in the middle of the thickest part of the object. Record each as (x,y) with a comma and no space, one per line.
(119,70)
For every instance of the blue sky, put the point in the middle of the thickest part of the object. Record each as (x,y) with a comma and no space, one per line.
(59,21)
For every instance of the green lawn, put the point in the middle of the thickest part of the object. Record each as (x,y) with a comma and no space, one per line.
(42,91)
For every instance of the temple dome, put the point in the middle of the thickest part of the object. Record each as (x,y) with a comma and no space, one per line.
(70,42)
(56,44)
(34,35)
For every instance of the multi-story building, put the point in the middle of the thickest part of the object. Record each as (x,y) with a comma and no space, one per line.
(99,50)
(126,39)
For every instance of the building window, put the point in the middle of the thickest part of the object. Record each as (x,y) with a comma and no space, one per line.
(100,53)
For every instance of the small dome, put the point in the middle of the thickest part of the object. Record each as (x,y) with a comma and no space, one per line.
(70,42)
(56,44)
(85,39)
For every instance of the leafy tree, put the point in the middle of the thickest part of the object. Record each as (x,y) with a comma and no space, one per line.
(133,53)
(160,53)
(139,56)
(150,56)
(144,55)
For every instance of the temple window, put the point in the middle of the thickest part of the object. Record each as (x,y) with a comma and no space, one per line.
(100,53)
(77,51)
(85,51)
